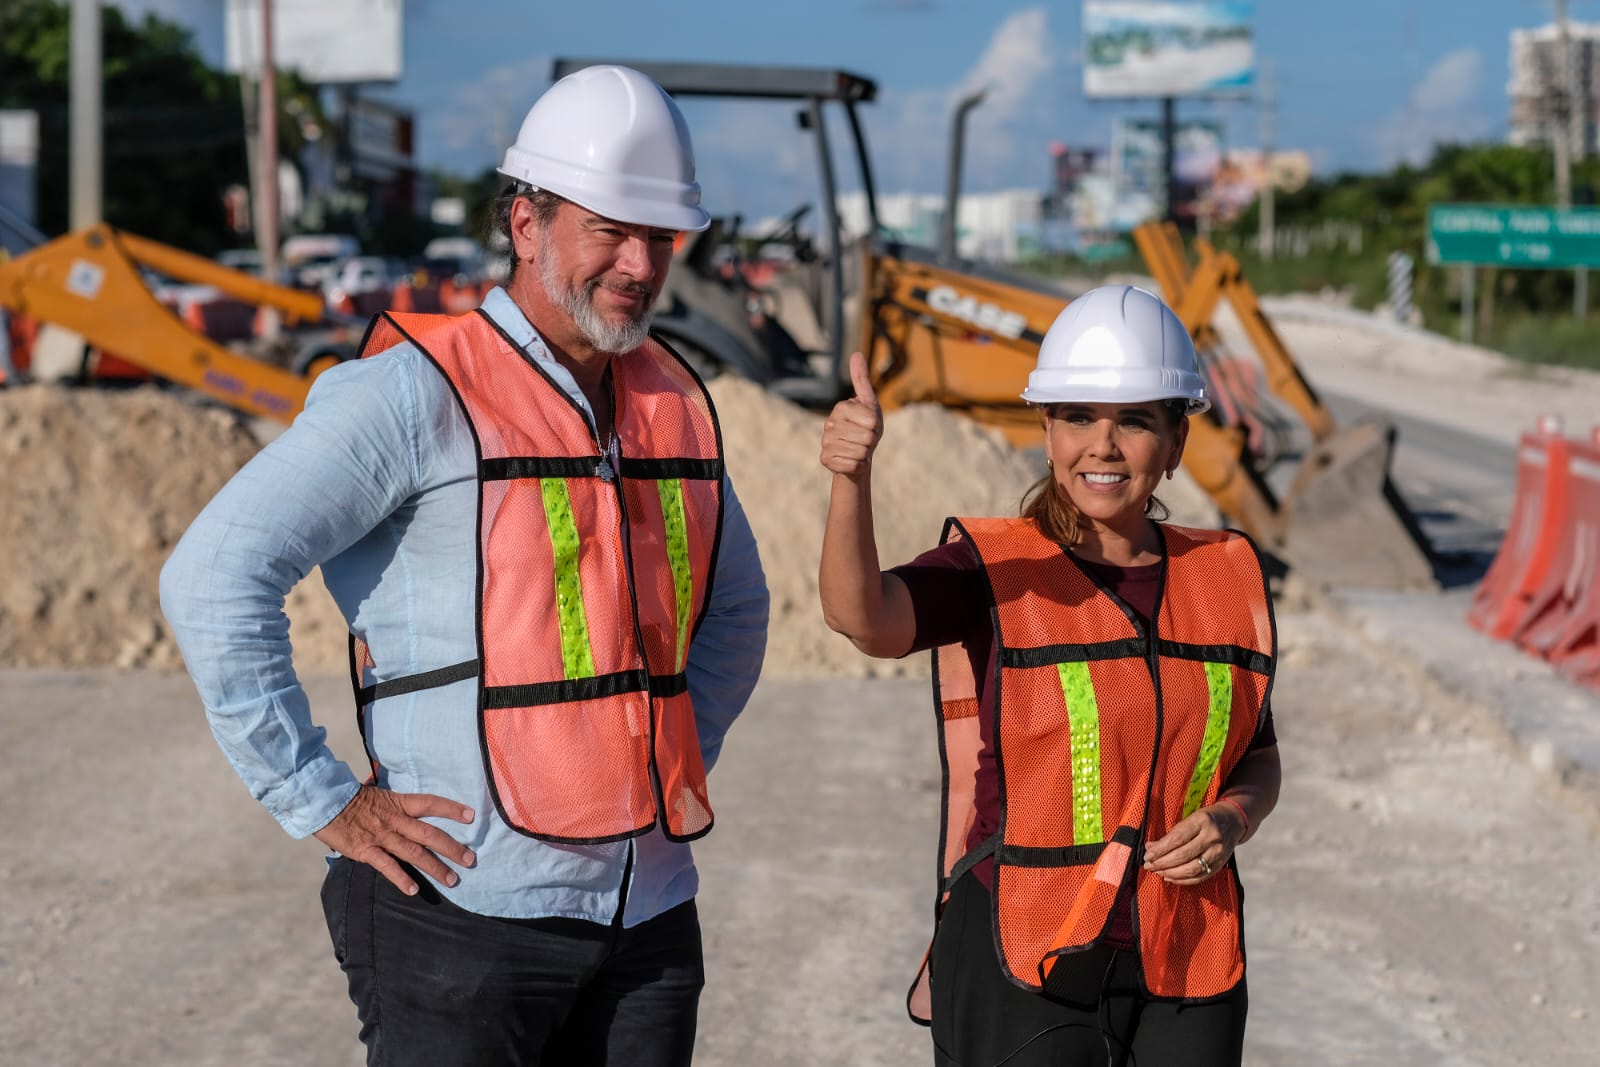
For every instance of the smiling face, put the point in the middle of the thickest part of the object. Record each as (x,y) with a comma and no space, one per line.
(1109,458)
(598,276)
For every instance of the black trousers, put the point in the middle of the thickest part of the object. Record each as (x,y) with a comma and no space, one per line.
(437,986)
(981,1019)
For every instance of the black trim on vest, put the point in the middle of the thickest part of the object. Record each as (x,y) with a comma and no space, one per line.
(1250,660)
(1050,655)
(976,855)
(1065,855)
(372,324)
(722,490)
(500,697)
(415,683)
(509,467)
(597,687)
(705,470)
(1272,617)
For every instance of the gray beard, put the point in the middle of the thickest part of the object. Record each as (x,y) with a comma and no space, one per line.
(603,335)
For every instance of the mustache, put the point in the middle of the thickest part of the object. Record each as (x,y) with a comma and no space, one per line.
(624,288)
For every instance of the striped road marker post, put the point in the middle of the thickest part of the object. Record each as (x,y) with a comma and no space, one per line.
(1400,285)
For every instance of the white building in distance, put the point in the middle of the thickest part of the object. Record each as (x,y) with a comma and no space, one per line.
(1538,85)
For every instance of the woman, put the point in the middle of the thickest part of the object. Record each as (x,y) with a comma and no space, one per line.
(1102,685)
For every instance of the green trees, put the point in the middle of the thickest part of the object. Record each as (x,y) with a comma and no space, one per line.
(173,127)
(1527,313)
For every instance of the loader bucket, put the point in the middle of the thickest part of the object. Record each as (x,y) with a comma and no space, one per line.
(1344,522)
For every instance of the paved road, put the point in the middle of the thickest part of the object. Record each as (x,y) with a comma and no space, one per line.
(1459,484)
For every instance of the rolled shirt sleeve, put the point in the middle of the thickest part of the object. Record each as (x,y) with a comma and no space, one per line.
(346,463)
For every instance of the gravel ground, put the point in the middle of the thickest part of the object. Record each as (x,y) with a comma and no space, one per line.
(1424,894)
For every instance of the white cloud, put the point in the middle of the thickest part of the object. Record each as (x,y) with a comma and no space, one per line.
(1451,82)
(752,159)
(1020,71)
(472,125)
(1443,108)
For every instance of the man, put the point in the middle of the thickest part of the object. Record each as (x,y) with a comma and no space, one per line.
(556,609)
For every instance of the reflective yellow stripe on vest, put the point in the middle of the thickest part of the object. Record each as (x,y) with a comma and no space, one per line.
(1083,718)
(671,490)
(577,658)
(1219,683)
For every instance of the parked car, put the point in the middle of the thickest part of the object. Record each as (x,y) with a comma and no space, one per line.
(361,274)
(313,258)
(453,259)
(245,260)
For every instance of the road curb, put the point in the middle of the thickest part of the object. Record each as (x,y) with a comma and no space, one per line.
(1551,723)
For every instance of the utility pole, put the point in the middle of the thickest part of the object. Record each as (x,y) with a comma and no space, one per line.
(1169,155)
(1267,237)
(87,77)
(267,211)
(1577,140)
(1562,127)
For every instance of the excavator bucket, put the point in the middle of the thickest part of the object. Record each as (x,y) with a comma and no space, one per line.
(1345,523)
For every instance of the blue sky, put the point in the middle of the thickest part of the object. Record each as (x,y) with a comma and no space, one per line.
(1360,83)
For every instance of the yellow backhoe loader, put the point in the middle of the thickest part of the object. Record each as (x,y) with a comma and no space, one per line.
(93,283)
(938,329)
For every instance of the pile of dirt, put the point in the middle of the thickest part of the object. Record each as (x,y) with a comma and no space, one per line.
(100,485)
(931,464)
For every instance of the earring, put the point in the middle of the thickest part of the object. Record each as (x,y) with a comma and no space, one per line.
(1169,476)
(1050,465)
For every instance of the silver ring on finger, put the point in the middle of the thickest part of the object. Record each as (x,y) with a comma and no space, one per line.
(1205,868)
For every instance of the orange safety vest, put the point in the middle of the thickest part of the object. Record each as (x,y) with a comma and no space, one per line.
(590,587)
(1105,739)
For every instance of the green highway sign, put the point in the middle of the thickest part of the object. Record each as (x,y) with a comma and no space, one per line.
(1507,236)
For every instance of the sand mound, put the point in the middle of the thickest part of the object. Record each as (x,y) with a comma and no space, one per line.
(100,485)
(931,464)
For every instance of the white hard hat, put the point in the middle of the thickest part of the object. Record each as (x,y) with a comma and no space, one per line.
(1117,344)
(611,140)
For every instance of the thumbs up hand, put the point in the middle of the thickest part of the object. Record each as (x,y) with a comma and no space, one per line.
(854,427)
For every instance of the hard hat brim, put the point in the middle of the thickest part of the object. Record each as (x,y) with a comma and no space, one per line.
(1122,387)
(635,200)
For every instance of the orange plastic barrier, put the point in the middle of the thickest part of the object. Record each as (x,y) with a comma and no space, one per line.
(1538,517)
(459,299)
(408,297)
(108,366)
(1562,623)
(223,319)
(21,329)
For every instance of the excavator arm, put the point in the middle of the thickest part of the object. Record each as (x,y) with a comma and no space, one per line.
(89,282)
(966,341)
(1343,520)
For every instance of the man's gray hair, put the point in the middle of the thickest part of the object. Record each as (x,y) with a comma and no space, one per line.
(545,205)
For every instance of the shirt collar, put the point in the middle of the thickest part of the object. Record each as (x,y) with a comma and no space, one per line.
(504,313)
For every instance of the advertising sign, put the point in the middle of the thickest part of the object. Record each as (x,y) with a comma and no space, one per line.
(1171,48)
(349,41)
(1507,236)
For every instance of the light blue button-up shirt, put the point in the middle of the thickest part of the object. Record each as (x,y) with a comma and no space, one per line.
(376,483)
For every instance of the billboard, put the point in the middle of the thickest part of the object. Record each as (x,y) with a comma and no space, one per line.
(1137,152)
(1137,158)
(1172,48)
(328,43)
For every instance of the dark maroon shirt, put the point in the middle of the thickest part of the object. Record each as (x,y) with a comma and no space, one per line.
(951,602)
